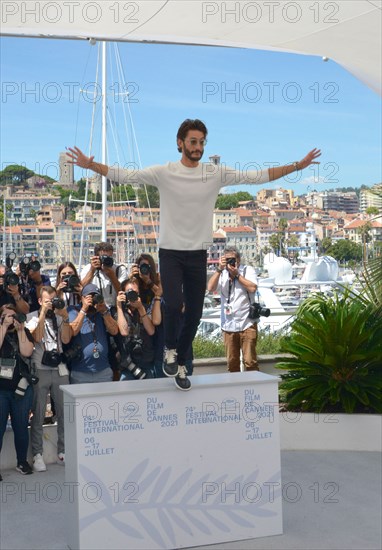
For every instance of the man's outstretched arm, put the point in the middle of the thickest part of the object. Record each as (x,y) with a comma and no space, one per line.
(281,171)
(80,159)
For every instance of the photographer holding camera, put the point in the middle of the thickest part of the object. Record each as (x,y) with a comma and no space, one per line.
(68,284)
(10,290)
(91,322)
(135,341)
(236,283)
(103,273)
(50,329)
(16,343)
(32,280)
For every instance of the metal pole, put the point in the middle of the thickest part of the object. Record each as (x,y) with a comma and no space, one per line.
(104,119)
(4,228)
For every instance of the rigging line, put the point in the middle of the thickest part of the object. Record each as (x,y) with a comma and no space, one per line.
(372,3)
(148,20)
(87,171)
(129,142)
(79,92)
(135,221)
(131,155)
(135,139)
(113,211)
(116,140)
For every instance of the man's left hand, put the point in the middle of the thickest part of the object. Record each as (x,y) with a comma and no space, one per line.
(309,159)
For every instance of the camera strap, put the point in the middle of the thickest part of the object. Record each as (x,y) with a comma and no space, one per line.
(53,336)
(98,275)
(12,343)
(133,323)
(249,298)
(231,283)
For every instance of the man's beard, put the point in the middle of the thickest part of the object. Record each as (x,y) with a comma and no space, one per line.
(192,155)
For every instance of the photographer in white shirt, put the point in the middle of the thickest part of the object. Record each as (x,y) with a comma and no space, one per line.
(50,329)
(236,284)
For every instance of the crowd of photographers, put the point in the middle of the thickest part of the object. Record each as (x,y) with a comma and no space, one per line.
(100,325)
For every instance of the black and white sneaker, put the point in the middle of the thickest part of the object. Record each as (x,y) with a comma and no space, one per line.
(181,380)
(170,362)
(24,468)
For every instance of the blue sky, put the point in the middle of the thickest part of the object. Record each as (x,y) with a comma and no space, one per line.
(259,107)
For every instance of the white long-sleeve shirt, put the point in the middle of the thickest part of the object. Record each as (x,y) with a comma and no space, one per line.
(187,198)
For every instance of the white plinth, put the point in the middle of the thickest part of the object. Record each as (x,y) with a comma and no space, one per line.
(149,466)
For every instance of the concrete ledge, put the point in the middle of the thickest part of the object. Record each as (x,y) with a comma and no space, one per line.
(298,432)
(330,432)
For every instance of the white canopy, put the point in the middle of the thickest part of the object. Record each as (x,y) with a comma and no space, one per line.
(346,31)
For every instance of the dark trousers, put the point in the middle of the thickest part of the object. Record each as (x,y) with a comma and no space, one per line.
(18,409)
(184,280)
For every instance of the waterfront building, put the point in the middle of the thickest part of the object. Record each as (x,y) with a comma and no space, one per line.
(368,198)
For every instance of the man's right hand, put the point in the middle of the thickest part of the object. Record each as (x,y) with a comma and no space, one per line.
(222,262)
(79,158)
(95,263)
(46,306)
(87,301)
(134,272)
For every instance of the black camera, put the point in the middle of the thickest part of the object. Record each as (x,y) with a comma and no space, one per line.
(51,358)
(136,349)
(145,269)
(10,278)
(131,296)
(97,299)
(58,303)
(71,282)
(26,380)
(106,261)
(26,264)
(131,353)
(20,317)
(231,261)
(72,353)
(256,311)
(9,259)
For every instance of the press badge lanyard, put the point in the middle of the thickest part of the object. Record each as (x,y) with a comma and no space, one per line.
(92,325)
(231,283)
(101,289)
(53,336)
(133,324)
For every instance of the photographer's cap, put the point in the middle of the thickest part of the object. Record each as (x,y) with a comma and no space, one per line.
(90,289)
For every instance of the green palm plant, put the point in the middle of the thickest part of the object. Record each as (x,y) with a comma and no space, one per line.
(370,282)
(336,356)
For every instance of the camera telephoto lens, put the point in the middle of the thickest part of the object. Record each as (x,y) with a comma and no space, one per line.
(20,317)
(265,312)
(231,261)
(35,265)
(131,296)
(144,269)
(11,278)
(107,261)
(58,303)
(71,282)
(97,299)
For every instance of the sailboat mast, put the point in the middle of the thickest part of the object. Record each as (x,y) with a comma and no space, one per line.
(104,160)
(4,228)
